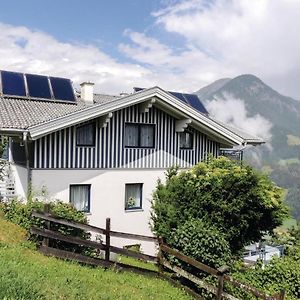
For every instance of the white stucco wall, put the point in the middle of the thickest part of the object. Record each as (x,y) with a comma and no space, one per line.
(107,197)
(19,174)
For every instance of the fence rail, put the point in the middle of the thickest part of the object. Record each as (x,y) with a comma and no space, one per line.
(220,273)
(160,260)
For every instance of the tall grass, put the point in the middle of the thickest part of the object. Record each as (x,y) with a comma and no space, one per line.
(26,274)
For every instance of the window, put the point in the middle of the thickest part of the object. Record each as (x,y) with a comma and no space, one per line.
(133,196)
(186,140)
(80,196)
(85,135)
(139,135)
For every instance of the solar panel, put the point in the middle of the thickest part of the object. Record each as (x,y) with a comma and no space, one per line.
(13,83)
(38,86)
(195,102)
(179,96)
(137,89)
(62,89)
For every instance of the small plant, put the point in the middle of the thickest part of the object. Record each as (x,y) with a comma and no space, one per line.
(131,202)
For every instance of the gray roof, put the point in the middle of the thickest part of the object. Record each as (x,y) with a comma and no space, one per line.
(22,113)
(103,98)
(19,113)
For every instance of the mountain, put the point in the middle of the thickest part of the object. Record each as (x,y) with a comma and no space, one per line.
(283,112)
(281,155)
(210,89)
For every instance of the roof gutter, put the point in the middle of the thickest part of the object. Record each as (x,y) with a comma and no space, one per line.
(13,131)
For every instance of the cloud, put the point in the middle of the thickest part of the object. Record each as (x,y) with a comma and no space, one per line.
(190,44)
(32,51)
(227,38)
(236,115)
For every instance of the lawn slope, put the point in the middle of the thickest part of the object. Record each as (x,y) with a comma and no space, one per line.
(26,274)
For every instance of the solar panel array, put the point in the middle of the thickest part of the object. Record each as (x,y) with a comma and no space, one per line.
(190,99)
(39,87)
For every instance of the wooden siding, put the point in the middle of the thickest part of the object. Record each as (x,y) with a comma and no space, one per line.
(59,150)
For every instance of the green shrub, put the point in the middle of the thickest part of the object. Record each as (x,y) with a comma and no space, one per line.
(240,202)
(20,213)
(203,242)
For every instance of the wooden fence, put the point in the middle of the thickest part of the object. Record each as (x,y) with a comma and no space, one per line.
(162,263)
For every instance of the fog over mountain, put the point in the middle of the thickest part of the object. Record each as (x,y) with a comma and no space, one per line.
(247,102)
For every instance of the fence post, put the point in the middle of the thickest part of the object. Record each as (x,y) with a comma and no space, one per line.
(160,256)
(107,239)
(221,272)
(47,224)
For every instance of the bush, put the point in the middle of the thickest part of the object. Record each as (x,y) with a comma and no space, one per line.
(20,213)
(240,202)
(203,242)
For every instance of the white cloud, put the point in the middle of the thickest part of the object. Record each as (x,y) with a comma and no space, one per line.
(232,111)
(31,51)
(215,39)
(228,38)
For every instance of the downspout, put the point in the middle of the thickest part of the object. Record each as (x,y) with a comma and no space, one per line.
(29,173)
(242,152)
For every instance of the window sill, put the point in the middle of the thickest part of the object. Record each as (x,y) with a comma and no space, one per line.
(138,147)
(85,146)
(134,210)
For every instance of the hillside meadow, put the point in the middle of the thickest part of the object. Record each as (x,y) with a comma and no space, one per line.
(26,274)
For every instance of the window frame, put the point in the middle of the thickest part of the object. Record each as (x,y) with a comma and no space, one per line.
(192,139)
(89,196)
(139,135)
(93,124)
(141,185)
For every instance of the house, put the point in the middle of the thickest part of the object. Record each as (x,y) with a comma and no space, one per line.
(103,153)
(264,252)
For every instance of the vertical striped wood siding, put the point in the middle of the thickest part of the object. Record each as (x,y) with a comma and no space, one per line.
(59,150)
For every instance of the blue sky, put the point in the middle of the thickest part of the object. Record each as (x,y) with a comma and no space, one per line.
(176,44)
(101,23)
(90,21)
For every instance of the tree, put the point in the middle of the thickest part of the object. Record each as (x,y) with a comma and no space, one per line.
(293,201)
(237,200)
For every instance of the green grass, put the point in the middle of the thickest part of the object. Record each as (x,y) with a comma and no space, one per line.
(26,274)
(137,263)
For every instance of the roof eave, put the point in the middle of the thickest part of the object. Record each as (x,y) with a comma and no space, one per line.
(13,131)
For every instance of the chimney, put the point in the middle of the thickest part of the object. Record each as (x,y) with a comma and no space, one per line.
(87,92)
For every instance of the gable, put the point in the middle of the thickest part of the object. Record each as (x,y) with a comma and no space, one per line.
(59,149)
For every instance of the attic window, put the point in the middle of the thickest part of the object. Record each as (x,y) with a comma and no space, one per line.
(85,135)
(186,140)
(139,135)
